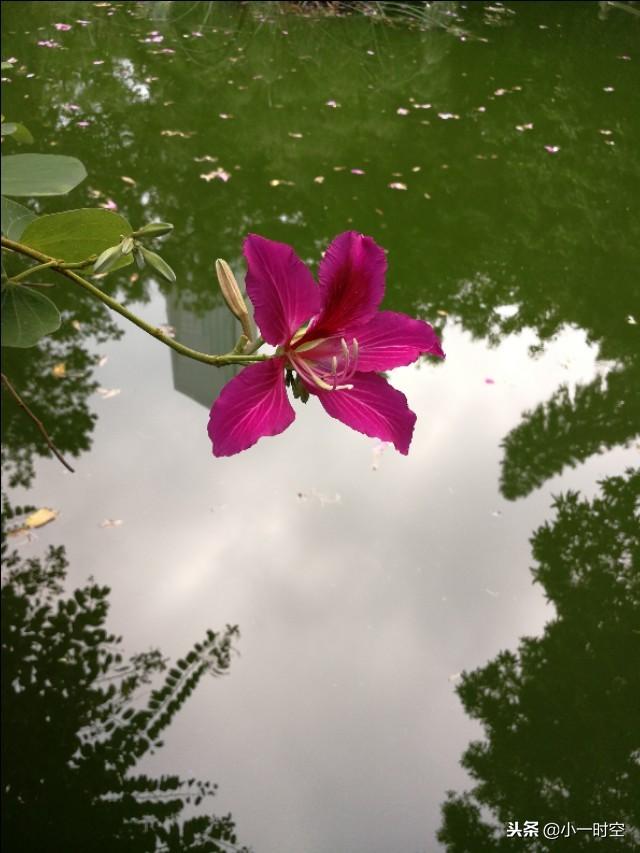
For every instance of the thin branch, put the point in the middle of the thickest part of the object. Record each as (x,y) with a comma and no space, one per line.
(36,420)
(25,273)
(63,269)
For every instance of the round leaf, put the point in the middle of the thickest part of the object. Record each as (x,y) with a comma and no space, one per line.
(15,218)
(27,316)
(40,174)
(75,235)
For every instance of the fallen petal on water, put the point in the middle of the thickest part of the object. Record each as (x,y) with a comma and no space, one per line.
(217,174)
(108,393)
(40,517)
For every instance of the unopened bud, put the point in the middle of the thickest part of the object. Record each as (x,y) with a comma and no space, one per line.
(126,247)
(159,264)
(107,259)
(232,295)
(137,254)
(154,229)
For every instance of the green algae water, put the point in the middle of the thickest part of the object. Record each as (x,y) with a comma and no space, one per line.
(387,608)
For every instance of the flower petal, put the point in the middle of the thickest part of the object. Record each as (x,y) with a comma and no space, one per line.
(281,288)
(373,407)
(252,405)
(393,340)
(351,279)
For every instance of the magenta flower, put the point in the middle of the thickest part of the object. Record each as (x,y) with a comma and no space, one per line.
(332,336)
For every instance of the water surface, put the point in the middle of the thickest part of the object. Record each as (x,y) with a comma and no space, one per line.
(495,158)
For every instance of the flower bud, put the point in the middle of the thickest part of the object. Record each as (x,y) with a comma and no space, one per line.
(154,229)
(126,247)
(108,259)
(137,254)
(232,295)
(159,264)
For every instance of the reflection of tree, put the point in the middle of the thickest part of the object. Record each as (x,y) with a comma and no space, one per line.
(561,715)
(568,429)
(73,727)
(59,401)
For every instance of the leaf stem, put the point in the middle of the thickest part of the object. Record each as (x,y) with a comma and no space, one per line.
(36,420)
(64,270)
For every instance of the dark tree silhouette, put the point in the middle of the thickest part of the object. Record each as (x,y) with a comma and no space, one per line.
(73,727)
(562,715)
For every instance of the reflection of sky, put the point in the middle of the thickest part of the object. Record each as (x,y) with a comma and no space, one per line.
(360,593)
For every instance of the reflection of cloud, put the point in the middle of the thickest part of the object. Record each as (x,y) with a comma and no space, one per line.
(214,332)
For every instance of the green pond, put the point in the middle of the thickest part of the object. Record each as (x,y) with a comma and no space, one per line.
(456,620)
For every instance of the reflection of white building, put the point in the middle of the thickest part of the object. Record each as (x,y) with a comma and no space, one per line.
(215,332)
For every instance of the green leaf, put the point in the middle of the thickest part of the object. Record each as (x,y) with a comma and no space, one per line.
(18,131)
(15,218)
(27,316)
(75,235)
(40,174)
(22,135)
